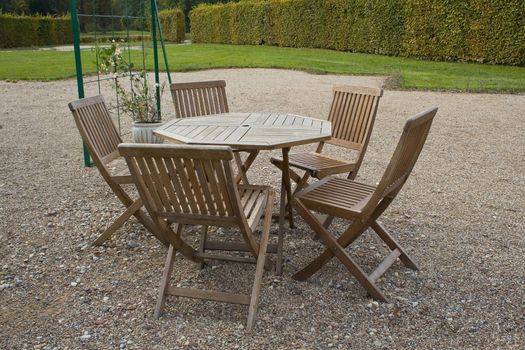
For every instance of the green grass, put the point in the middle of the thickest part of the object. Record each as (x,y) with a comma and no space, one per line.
(406,73)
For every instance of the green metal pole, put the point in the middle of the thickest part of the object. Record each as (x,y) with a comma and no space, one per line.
(76,45)
(78,63)
(155,54)
(161,36)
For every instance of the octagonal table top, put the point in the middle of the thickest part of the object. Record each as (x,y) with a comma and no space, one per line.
(253,131)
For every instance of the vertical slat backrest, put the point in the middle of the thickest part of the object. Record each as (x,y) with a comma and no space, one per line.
(96,128)
(405,156)
(199,98)
(190,180)
(352,115)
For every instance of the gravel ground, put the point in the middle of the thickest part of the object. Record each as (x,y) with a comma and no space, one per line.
(460,215)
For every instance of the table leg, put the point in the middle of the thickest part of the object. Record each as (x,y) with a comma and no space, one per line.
(243,167)
(287,186)
(241,173)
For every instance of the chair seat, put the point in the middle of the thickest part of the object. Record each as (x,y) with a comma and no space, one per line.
(119,172)
(338,197)
(253,201)
(319,165)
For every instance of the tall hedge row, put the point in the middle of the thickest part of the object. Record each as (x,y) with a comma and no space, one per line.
(471,30)
(474,30)
(25,31)
(173,27)
(349,25)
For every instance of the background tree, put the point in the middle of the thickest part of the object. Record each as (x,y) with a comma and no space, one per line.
(187,6)
(116,7)
(20,7)
(48,7)
(15,6)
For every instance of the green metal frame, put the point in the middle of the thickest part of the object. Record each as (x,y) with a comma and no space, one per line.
(156,33)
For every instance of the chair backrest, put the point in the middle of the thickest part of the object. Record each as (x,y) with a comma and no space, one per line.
(188,184)
(199,98)
(404,158)
(97,130)
(352,114)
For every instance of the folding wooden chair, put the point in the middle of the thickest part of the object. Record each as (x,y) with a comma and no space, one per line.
(352,115)
(193,185)
(206,98)
(363,204)
(102,138)
(202,98)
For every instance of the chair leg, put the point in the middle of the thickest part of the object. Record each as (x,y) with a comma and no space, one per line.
(354,231)
(139,214)
(328,221)
(293,175)
(339,251)
(176,240)
(280,238)
(150,226)
(202,243)
(119,222)
(348,237)
(392,244)
(165,281)
(302,183)
(259,269)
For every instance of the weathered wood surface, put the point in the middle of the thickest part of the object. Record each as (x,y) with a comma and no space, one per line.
(199,98)
(363,205)
(195,185)
(250,131)
(102,139)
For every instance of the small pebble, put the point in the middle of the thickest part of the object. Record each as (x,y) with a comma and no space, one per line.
(132,244)
(5,286)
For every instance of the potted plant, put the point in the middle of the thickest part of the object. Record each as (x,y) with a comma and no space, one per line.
(140,104)
(139,100)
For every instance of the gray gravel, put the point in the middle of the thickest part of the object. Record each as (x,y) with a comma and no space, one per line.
(461,215)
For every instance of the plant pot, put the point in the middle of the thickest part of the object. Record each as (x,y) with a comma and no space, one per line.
(143,132)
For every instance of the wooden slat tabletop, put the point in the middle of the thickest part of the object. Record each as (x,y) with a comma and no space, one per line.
(253,131)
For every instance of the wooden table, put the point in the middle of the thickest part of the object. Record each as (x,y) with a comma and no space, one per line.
(251,132)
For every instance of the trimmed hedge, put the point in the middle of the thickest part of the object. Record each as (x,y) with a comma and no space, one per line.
(490,31)
(357,25)
(173,27)
(25,31)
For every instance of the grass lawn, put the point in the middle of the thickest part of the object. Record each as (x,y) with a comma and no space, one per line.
(407,73)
